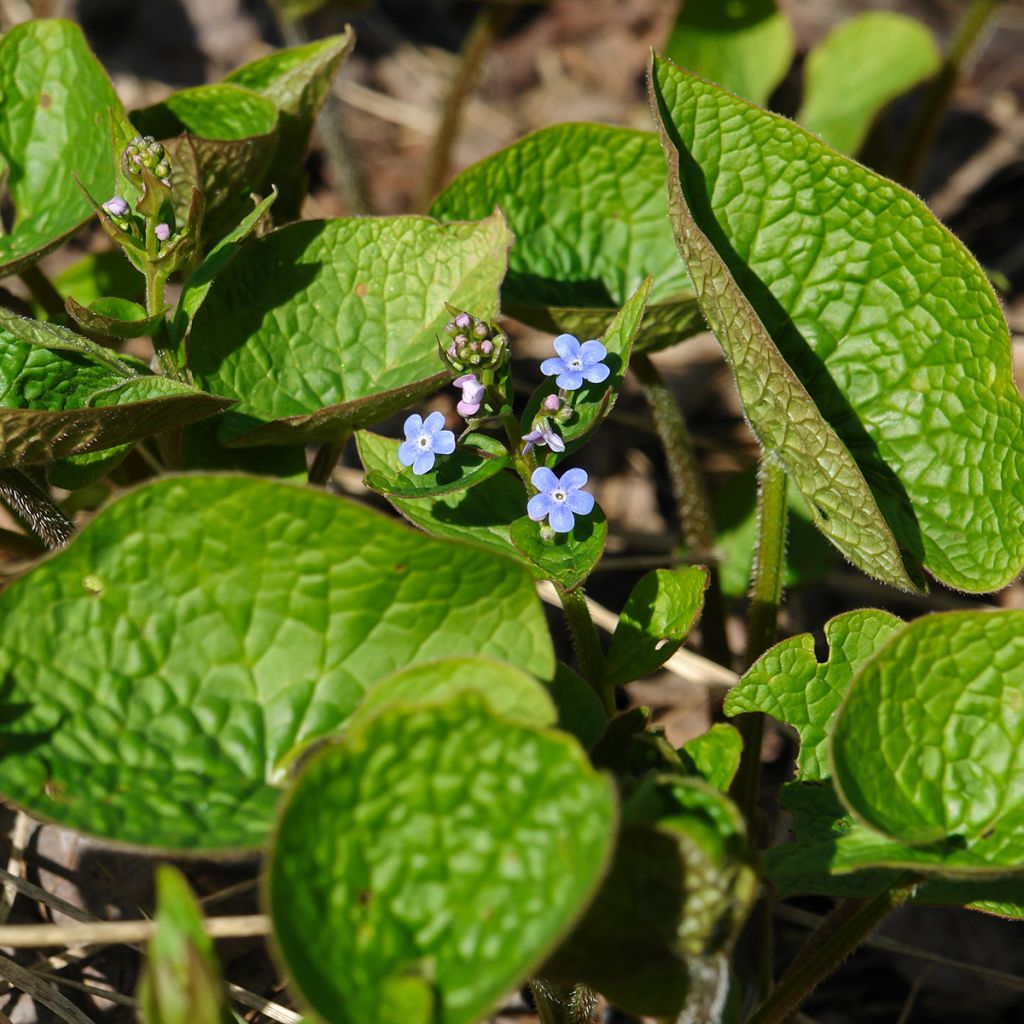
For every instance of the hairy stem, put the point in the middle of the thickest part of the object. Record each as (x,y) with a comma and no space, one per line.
(924,128)
(587,644)
(489,23)
(34,509)
(839,935)
(696,528)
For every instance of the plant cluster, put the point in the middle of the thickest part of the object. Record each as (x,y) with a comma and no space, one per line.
(226,658)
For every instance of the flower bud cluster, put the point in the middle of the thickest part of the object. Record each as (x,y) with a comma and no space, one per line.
(473,344)
(145,151)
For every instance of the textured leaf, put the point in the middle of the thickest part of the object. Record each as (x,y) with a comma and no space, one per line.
(655,620)
(568,558)
(315,317)
(466,467)
(859,67)
(440,848)
(925,748)
(586,207)
(481,516)
(858,329)
(59,403)
(245,618)
(790,684)
(201,448)
(296,81)
(181,982)
(593,402)
(580,711)
(678,889)
(54,103)
(508,691)
(714,755)
(746,46)
(116,318)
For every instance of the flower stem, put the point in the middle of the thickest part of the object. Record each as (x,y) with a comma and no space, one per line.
(587,644)
(696,528)
(34,509)
(839,935)
(762,621)
(490,22)
(924,128)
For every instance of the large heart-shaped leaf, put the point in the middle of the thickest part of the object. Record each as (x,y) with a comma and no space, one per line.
(55,103)
(858,68)
(163,670)
(746,46)
(870,351)
(296,81)
(323,326)
(427,864)
(62,400)
(586,206)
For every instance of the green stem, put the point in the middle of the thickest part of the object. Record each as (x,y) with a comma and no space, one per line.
(550,1009)
(839,935)
(34,509)
(156,281)
(489,23)
(762,620)
(587,644)
(326,459)
(696,527)
(43,292)
(924,128)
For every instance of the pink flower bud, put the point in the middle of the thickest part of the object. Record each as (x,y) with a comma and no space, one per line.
(162,231)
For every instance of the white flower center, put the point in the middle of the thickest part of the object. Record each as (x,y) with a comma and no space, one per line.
(576,364)
(558,495)
(424,441)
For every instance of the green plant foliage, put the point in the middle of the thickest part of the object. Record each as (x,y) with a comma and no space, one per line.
(478,458)
(714,755)
(99,275)
(296,81)
(73,396)
(869,349)
(858,68)
(55,100)
(925,745)
(746,46)
(509,691)
(580,712)
(181,982)
(791,685)
(430,861)
(588,212)
(347,317)
(655,620)
(116,318)
(567,558)
(280,608)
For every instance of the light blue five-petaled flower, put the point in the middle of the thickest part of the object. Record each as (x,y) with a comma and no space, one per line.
(559,498)
(424,438)
(576,363)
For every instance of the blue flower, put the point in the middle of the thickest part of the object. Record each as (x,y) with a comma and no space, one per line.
(423,440)
(543,434)
(559,498)
(577,363)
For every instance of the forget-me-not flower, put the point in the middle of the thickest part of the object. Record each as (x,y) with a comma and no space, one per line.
(543,433)
(472,394)
(423,440)
(576,363)
(559,498)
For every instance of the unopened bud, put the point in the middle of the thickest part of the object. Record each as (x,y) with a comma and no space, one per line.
(463,321)
(162,231)
(487,347)
(552,403)
(482,330)
(116,206)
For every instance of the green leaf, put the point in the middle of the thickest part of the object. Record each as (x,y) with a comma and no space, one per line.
(54,103)
(586,207)
(247,618)
(480,516)
(790,684)
(227,113)
(746,46)
(593,402)
(858,68)
(580,711)
(657,616)
(568,558)
(925,746)
(714,755)
(439,848)
(296,81)
(678,890)
(58,400)
(202,449)
(809,557)
(99,275)
(869,349)
(466,467)
(324,326)
(508,691)
(116,318)
(181,981)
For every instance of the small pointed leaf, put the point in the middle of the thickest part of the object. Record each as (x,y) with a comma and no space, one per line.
(116,318)
(714,755)
(568,558)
